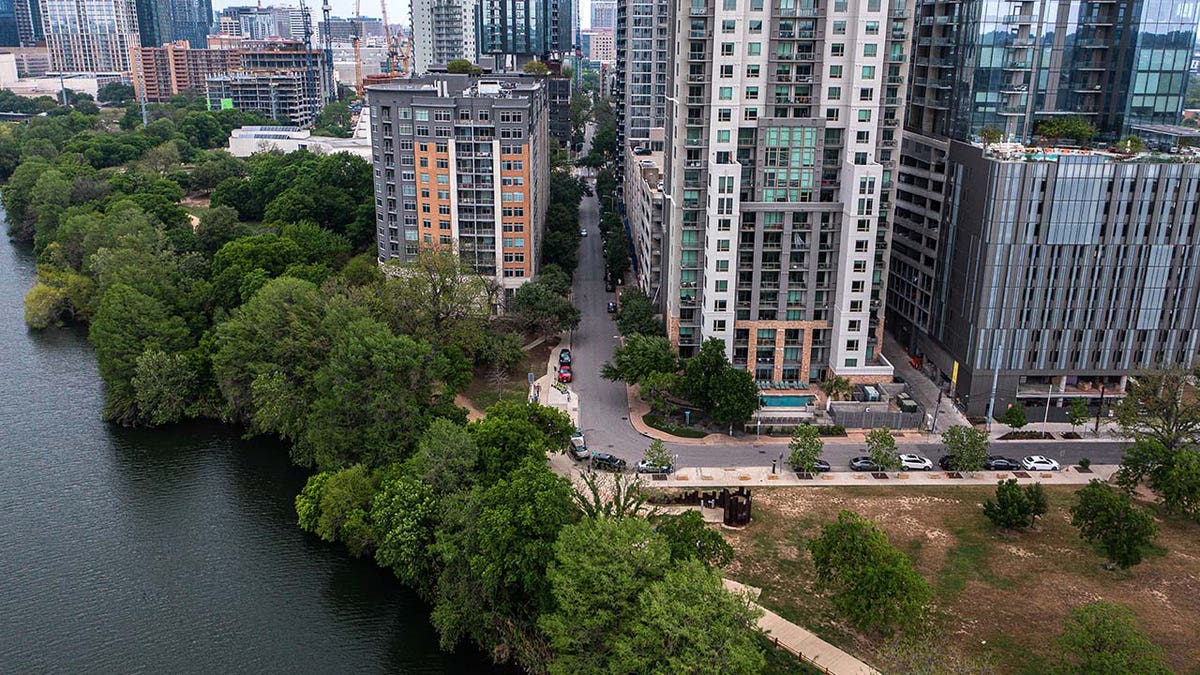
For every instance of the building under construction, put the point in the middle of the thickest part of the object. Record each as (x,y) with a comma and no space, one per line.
(286,97)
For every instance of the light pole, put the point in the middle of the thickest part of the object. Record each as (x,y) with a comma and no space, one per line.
(936,410)
(1099,409)
(1049,390)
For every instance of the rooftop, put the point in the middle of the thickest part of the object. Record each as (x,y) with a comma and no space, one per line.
(1017,152)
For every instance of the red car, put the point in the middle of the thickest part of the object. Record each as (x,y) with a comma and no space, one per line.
(564,373)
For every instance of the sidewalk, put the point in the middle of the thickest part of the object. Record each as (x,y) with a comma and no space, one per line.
(799,641)
(718,477)
(543,390)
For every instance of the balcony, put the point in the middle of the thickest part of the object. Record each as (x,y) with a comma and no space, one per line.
(1016,65)
(699,78)
(895,58)
(1091,65)
(1019,18)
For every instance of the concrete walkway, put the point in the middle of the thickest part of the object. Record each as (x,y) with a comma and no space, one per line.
(761,476)
(800,642)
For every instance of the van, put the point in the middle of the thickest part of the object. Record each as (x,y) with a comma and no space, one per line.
(577,449)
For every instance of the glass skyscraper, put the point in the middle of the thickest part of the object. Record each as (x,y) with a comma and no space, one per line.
(524,29)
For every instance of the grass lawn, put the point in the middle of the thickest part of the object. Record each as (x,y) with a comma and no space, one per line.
(999,598)
(482,392)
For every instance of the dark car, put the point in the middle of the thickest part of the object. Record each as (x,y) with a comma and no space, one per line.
(820,465)
(564,356)
(863,464)
(607,462)
(946,462)
(997,463)
(608,286)
(612,308)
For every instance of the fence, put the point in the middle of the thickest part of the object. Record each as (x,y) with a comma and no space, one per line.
(875,415)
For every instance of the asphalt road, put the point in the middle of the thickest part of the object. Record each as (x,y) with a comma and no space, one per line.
(604,411)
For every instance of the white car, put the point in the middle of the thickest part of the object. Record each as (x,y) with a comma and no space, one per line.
(1039,463)
(583,232)
(910,462)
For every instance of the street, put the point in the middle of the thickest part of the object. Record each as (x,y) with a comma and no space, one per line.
(604,410)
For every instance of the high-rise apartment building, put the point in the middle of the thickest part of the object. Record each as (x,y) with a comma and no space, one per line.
(176,68)
(782,139)
(600,46)
(28,15)
(604,15)
(1120,65)
(261,23)
(164,21)
(288,97)
(9,35)
(641,41)
(443,30)
(519,31)
(89,35)
(461,162)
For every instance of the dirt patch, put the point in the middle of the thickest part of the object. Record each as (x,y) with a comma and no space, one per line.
(486,389)
(999,596)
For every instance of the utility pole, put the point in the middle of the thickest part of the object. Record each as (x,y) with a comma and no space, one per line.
(1100,409)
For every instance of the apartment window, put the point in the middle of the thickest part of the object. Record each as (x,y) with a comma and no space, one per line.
(864,115)
(854,325)
(729,5)
(443,224)
(726,49)
(443,179)
(860,158)
(862,137)
(866,94)
(719,325)
(851,363)
(728,26)
(751,93)
(723,157)
(872,28)
(871,49)
(860,265)
(721,285)
(720,305)
(750,115)
(831,114)
(725,185)
(754,48)
(860,245)
(722,245)
(422,129)
(723,136)
(851,345)
(424,177)
(864,225)
(722,265)
(727,71)
(441,115)
(753,70)
(443,209)
(868,72)
(424,163)
(856,305)
(835,72)
(835,93)
(756,5)
(856,286)
(422,115)
(839,27)
(723,224)
(756,26)
(725,93)
(424,193)
(443,194)
(837,49)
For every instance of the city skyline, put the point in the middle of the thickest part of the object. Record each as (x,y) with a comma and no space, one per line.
(398,10)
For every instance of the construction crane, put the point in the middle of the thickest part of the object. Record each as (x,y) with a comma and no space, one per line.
(389,43)
(328,44)
(358,74)
(310,72)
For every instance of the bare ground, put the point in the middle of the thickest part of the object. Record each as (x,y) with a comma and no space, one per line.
(1000,597)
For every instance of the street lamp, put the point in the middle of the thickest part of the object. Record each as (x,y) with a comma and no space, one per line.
(1100,409)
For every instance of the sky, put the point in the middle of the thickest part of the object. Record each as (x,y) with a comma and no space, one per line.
(397,9)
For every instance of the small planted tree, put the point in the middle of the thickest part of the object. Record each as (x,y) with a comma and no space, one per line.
(1015,416)
(1078,414)
(805,448)
(1130,145)
(1101,637)
(1107,518)
(656,455)
(967,447)
(1015,506)
(836,387)
(882,448)
(990,135)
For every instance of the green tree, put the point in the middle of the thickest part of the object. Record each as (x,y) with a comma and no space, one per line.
(244,265)
(404,514)
(218,226)
(538,309)
(654,388)
(1180,487)
(805,448)
(691,539)
(688,623)
(462,67)
(1012,507)
(733,397)
(1072,127)
(1015,416)
(536,68)
(1078,414)
(1158,406)
(115,92)
(836,387)
(656,454)
(967,447)
(618,260)
(638,358)
(871,583)
(1102,637)
(127,324)
(600,567)
(1108,519)
(1130,145)
(333,120)
(437,299)
(701,371)
(445,457)
(1039,503)
(882,448)
(512,431)
(165,387)
(335,506)
(991,135)
(636,314)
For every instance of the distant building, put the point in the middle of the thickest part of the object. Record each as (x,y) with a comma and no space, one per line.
(558,92)
(600,46)
(279,95)
(604,15)
(28,16)
(29,61)
(519,31)
(164,21)
(175,68)
(461,163)
(261,23)
(344,30)
(643,197)
(90,35)
(443,31)
(640,74)
(246,141)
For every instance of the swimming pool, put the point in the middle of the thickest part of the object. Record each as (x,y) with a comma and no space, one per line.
(787,401)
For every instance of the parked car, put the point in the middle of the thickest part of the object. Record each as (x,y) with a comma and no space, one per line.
(607,462)
(577,449)
(564,373)
(997,463)
(1039,463)
(612,308)
(820,465)
(646,467)
(583,232)
(564,356)
(608,286)
(913,462)
(863,464)
(946,462)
